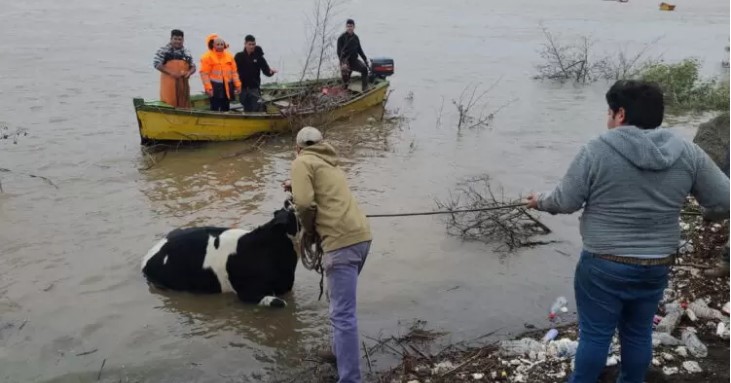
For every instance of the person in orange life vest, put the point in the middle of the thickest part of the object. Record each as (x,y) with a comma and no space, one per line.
(219,75)
(176,65)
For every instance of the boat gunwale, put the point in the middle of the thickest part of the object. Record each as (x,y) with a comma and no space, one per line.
(145,107)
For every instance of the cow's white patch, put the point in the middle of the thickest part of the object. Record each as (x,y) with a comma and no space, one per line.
(271,300)
(165,260)
(155,249)
(216,259)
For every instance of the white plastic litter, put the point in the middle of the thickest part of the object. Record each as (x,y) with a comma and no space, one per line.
(722,330)
(692,367)
(691,315)
(562,348)
(520,347)
(682,351)
(701,309)
(442,367)
(558,306)
(694,345)
(672,317)
(550,335)
(665,339)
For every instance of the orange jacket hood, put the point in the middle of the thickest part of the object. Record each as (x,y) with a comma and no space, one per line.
(211,37)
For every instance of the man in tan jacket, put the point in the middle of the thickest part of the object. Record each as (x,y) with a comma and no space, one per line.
(326,206)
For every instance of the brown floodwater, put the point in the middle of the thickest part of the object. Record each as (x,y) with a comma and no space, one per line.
(70,281)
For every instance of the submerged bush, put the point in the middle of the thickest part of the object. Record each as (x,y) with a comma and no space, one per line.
(685,90)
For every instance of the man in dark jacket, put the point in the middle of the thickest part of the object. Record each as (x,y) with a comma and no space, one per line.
(348,50)
(249,63)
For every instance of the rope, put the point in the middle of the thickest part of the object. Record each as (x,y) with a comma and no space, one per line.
(311,253)
(510,206)
(514,205)
(311,244)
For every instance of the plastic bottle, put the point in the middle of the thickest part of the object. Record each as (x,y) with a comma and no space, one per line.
(673,313)
(550,335)
(701,309)
(694,345)
(558,305)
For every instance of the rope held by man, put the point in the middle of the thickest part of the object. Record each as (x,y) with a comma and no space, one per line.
(310,244)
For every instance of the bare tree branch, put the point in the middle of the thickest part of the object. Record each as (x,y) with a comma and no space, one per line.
(511,228)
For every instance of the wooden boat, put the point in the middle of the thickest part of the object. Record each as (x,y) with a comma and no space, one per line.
(286,104)
(667,7)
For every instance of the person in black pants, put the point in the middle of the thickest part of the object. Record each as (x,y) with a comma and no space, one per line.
(348,51)
(250,62)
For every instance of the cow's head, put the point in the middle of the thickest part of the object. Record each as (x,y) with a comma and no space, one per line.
(286,220)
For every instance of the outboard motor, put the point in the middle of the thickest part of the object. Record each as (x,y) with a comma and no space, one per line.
(381,67)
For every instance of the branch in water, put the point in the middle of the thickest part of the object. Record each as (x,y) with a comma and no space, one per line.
(512,228)
(48,181)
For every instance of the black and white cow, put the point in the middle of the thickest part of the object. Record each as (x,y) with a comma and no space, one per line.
(256,265)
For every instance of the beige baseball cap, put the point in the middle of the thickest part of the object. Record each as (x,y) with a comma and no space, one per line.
(308,136)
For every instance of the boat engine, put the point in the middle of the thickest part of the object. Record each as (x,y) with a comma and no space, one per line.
(381,67)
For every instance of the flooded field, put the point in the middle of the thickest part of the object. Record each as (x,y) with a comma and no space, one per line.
(71,293)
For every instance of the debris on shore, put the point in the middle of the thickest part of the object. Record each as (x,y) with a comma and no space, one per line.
(690,340)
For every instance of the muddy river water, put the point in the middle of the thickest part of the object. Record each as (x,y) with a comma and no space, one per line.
(69,255)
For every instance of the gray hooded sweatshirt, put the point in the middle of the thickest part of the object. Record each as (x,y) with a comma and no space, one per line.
(632,184)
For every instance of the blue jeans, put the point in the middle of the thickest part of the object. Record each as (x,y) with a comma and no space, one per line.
(612,295)
(342,268)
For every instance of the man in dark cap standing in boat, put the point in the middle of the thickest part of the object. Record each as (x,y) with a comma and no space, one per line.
(348,51)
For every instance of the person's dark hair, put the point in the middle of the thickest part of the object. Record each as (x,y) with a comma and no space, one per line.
(176,32)
(642,102)
(350,22)
(249,38)
(210,43)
